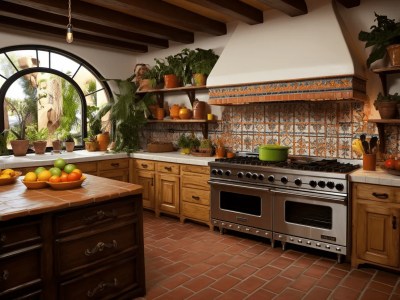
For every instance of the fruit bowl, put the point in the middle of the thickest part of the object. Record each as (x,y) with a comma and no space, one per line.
(33,185)
(391,171)
(67,185)
(4,181)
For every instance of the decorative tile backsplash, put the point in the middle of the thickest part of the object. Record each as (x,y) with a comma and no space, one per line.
(323,129)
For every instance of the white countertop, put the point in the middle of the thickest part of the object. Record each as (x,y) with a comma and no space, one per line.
(32,160)
(174,157)
(375,177)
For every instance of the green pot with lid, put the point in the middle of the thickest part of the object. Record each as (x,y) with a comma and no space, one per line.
(273,152)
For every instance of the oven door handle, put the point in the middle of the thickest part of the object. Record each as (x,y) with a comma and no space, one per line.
(241,186)
(311,195)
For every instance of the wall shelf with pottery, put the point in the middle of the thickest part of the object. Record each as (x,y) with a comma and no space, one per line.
(203,123)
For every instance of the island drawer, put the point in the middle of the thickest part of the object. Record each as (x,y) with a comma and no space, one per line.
(196,196)
(94,247)
(376,192)
(168,168)
(99,215)
(113,164)
(19,233)
(144,165)
(112,281)
(21,268)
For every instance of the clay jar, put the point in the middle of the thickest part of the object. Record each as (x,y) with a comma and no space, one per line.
(160,113)
(185,113)
(103,139)
(387,109)
(199,110)
(174,111)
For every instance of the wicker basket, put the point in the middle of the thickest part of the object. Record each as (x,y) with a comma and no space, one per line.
(160,147)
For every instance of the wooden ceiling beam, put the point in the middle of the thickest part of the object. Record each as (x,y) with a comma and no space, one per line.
(36,16)
(349,3)
(234,8)
(290,7)
(165,13)
(96,14)
(78,36)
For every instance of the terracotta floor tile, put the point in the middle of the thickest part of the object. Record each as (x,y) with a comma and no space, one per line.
(174,268)
(175,281)
(199,283)
(329,281)
(243,271)
(262,294)
(290,294)
(378,286)
(304,262)
(218,259)
(370,294)
(317,293)
(237,260)
(387,278)
(205,294)
(268,272)
(197,270)
(219,271)
(225,283)
(282,262)
(341,293)
(316,271)
(292,272)
(303,283)
(178,293)
(278,284)
(250,284)
(232,294)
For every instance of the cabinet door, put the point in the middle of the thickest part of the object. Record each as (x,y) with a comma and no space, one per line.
(167,194)
(378,234)
(121,175)
(147,180)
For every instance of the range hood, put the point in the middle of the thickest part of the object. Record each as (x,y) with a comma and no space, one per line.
(308,57)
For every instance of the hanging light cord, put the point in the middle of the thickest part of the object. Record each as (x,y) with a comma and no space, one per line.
(70,35)
(69,13)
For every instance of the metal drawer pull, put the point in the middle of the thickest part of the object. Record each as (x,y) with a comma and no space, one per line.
(100,247)
(380,196)
(100,215)
(101,286)
(394,222)
(196,197)
(3,238)
(144,166)
(4,276)
(115,164)
(168,168)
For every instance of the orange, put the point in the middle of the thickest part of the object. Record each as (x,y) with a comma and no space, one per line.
(73,176)
(77,171)
(30,176)
(44,175)
(64,177)
(55,179)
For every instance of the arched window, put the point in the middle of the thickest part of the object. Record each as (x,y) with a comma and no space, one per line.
(44,90)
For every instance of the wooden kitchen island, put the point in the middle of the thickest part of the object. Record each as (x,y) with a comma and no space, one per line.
(83,243)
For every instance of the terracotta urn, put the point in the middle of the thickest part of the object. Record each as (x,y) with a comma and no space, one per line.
(174,111)
(40,147)
(103,139)
(185,113)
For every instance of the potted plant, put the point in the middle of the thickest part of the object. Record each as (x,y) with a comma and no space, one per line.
(383,37)
(149,79)
(387,105)
(205,148)
(171,69)
(201,62)
(38,137)
(69,143)
(187,142)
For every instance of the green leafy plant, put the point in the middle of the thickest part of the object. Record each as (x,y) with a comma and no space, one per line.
(385,33)
(24,111)
(201,60)
(386,98)
(34,134)
(188,141)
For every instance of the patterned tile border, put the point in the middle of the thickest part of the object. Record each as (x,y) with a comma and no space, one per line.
(332,88)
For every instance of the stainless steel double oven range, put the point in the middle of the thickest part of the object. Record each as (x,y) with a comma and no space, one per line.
(301,201)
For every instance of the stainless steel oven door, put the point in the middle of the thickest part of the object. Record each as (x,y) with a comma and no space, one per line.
(242,204)
(307,215)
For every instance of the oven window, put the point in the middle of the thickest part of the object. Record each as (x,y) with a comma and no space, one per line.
(308,214)
(246,204)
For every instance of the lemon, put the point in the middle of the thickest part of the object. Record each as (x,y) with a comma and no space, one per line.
(5,176)
(30,176)
(10,172)
(44,175)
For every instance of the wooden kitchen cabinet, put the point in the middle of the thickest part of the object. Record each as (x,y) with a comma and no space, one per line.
(144,175)
(117,169)
(376,235)
(167,189)
(195,194)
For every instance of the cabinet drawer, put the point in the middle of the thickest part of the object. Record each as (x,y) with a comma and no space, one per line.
(376,192)
(168,168)
(145,165)
(20,268)
(113,281)
(196,169)
(196,211)
(16,235)
(103,214)
(81,251)
(196,196)
(87,167)
(197,181)
(113,164)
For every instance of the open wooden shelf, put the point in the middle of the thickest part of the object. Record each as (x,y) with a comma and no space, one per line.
(203,123)
(385,121)
(380,123)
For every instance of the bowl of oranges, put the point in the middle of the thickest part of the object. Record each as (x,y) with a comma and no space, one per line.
(61,176)
(8,176)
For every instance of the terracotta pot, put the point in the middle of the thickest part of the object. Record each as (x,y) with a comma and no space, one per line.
(199,79)
(69,146)
(199,110)
(91,146)
(394,54)
(20,147)
(147,84)
(103,139)
(56,145)
(153,110)
(160,113)
(185,113)
(170,81)
(387,109)
(220,152)
(174,111)
(40,147)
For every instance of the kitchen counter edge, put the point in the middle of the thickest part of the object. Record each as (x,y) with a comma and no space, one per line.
(174,157)
(379,176)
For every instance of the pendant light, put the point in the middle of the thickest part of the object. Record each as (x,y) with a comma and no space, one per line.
(70,34)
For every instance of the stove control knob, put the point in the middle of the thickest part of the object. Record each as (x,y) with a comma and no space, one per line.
(254,176)
(321,184)
(313,183)
(284,180)
(261,177)
(220,172)
(214,172)
(240,175)
(271,178)
(330,184)
(248,175)
(228,173)
(297,181)
(339,187)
